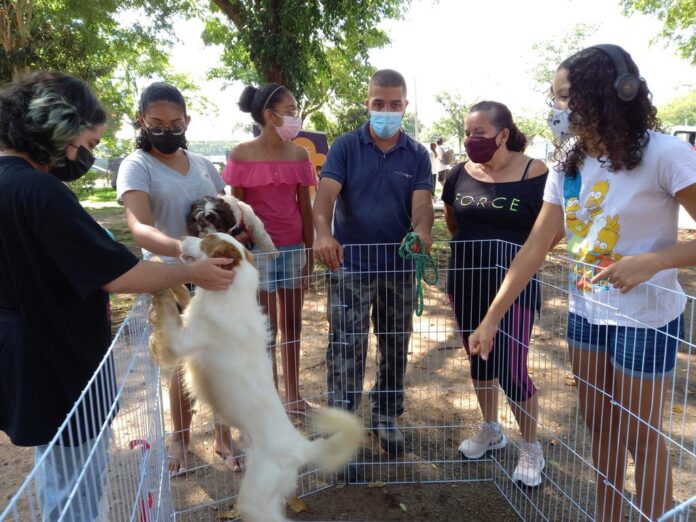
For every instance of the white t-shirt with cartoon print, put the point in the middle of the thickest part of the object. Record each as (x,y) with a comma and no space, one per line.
(609,215)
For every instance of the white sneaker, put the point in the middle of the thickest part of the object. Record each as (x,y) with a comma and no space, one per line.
(530,464)
(489,437)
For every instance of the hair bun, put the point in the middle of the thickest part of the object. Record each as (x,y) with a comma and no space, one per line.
(247,98)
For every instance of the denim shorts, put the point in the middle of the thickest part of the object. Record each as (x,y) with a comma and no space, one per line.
(647,353)
(283,271)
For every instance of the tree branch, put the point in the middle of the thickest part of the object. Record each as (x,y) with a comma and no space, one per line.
(234,10)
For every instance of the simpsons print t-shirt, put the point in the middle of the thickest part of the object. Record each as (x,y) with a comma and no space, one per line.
(609,215)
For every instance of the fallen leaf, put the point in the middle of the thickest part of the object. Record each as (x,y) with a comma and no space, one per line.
(377,484)
(228,515)
(297,505)
(340,486)
(554,442)
(434,466)
(402,506)
(677,409)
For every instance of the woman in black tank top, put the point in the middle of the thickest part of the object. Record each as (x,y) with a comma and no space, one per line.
(491,203)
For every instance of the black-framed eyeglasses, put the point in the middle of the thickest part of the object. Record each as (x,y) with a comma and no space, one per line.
(157,130)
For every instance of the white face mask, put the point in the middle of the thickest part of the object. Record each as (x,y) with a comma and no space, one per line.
(290,128)
(559,123)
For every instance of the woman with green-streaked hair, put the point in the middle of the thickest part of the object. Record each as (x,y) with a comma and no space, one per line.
(56,266)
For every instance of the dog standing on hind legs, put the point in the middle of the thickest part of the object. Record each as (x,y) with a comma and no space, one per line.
(221,338)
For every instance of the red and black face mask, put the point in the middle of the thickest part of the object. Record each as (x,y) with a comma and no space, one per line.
(480,149)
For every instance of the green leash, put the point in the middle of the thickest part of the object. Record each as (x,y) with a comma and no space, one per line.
(426,268)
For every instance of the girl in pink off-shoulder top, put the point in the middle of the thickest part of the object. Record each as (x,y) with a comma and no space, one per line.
(273,175)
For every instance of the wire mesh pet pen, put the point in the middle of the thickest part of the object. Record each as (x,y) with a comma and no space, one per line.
(128,462)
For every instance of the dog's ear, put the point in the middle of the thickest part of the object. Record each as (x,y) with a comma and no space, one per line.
(226,215)
(213,246)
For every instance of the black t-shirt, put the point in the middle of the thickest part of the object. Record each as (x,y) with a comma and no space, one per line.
(54,320)
(492,219)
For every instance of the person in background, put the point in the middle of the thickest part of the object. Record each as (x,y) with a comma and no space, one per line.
(56,269)
(434,166)
(274,175)
(156,184)
(616,192)
(491,203)
(443,167)
(380,181)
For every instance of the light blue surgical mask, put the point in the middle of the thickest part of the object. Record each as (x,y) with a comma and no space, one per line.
(385,124)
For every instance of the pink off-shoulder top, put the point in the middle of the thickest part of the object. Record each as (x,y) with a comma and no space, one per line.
(270,187)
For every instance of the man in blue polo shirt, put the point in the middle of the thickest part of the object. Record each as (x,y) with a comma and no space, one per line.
(380,182)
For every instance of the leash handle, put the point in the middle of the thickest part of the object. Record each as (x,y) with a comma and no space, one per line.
(426,268)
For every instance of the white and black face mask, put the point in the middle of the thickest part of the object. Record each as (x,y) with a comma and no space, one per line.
(559,123)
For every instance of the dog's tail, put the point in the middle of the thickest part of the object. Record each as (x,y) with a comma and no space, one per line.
(345,436)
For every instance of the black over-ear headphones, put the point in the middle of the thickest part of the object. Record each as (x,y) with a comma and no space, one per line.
(626,84)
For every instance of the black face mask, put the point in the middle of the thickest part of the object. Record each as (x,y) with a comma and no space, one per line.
(75,169)
(167,143)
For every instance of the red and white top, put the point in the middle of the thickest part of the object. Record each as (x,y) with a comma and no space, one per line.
(270,188)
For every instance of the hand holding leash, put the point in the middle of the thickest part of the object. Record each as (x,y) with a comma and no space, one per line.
(328,250)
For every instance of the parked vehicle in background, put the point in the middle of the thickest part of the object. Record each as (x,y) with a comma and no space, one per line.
(112,170)
(686,133)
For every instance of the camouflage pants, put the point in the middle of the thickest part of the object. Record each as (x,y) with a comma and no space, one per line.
(390,298)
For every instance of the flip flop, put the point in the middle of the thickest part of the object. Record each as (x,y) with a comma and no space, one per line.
(230,461)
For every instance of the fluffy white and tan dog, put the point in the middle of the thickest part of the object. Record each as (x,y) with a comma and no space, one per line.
(221,338)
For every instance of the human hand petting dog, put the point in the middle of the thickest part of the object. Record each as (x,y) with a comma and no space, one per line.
(210,273)
(328,250)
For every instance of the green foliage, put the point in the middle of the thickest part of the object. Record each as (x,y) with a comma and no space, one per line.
(318,49)
(533,126)
(101,195)
(409,126)
(551,52)
(346,117)
(679,111)
(84,186)
(678,18)
(110,44)
(452,125)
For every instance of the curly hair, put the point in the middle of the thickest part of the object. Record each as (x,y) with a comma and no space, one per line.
(501,118)
(599,119)
(156,92)
(41,113)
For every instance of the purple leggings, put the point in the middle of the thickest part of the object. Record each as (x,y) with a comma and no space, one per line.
(508,360)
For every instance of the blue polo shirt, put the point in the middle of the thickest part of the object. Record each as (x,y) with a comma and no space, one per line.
(374,205)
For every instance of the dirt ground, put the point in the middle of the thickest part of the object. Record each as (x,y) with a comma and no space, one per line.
(441,411)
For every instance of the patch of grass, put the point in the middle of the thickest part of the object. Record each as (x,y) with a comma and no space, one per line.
(441,236)
(102,195)
(112,218)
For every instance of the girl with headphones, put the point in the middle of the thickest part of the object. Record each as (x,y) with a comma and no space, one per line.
(615,192)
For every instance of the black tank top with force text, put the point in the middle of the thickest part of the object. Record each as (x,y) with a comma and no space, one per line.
(493,219)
